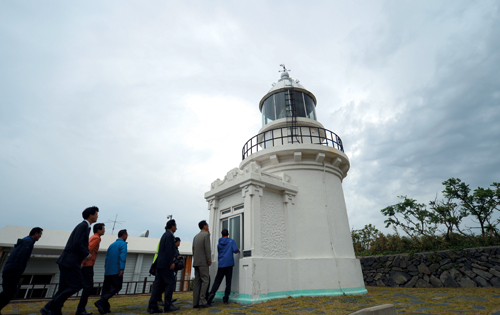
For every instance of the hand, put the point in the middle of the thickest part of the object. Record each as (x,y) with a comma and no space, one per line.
(210,263)
(89,257)
(172,266)
(121,273)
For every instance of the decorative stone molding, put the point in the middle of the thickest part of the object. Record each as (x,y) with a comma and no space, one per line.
(472,267)
(213,203)
(297,156)
(252,189)
(320,157)
(252,168)
(336,162)
(274,159)
(289,197)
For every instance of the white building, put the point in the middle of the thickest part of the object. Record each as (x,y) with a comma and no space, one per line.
(42,268)
(284,206)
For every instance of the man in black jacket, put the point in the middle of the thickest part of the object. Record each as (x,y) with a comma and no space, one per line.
(15,265)
(70,272)
(165,280)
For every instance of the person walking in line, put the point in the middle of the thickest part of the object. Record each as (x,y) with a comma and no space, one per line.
(114,267)
(176,256)
(164,279)
(16,264)
(226,248)
(201,263)
(70,261)
(88,268)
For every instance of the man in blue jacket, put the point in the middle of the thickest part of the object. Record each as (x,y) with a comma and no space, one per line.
(114,267)
(226,248)
(15,265)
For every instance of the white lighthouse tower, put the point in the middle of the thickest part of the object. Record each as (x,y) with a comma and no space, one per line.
(284,206)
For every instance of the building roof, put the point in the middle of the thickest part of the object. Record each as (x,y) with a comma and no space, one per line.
(55,240)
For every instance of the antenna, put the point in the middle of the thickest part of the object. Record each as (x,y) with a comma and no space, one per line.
(114,223)
(169,217)
(284,68)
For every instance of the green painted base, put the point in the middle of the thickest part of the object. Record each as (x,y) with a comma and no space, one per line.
(247,298)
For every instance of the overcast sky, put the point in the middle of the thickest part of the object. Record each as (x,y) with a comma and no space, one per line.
(138,106)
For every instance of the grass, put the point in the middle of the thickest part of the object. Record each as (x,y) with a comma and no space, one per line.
(407,301)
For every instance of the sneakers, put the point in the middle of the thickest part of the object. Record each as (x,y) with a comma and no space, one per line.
(46,311)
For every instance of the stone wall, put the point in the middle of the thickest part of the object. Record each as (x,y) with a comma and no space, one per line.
(474,267)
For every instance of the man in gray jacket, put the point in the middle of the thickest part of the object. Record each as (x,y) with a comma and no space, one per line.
(202,259)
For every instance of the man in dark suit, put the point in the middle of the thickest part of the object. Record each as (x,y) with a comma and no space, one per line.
(70,272)
(15,265)
(165,279)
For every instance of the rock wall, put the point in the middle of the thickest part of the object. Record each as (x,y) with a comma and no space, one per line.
(473,267)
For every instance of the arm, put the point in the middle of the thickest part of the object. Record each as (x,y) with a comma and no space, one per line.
(93,243)
(123,258)
(81,240)
(208,252)
(234,247)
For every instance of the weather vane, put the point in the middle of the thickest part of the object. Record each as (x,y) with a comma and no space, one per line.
(284,68)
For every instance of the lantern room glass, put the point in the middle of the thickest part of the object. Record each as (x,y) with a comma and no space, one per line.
(274,107)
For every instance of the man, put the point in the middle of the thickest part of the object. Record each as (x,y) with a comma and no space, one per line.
(15,265)
(226,248)
(114,267)
(88,268)
(176,255)
(70,261)
(201,263)
(164,279)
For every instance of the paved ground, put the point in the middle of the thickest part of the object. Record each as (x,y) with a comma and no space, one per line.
(406,301)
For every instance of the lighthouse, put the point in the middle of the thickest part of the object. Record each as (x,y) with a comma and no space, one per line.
(284,205)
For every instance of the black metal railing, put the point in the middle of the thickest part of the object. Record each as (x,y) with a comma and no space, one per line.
(281,136)
(47,290)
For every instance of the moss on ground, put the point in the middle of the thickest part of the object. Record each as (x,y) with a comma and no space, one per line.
(407,301)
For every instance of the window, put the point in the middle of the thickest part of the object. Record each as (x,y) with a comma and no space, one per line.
(34,286)
(234,226)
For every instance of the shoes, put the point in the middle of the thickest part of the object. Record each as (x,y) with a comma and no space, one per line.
(46,311)
(83,313)
(204,306)
(99,306)
(172,308)
(210,298)
(154,310)
(225,300)
(196,306)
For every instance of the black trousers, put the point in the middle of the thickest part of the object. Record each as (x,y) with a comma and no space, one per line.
(164,282)
(88,284)
(112,285)
(221,273)
(70,282)
(9,284)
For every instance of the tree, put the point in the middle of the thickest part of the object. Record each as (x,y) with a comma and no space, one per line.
(481,203)
(449,214)
(412,217)
(364,238)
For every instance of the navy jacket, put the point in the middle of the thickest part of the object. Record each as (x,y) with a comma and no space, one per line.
(77,247)
(116,257)
(166,251)
(19,257)
(226,248)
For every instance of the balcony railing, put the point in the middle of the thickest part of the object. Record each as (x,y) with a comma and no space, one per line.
(291,135)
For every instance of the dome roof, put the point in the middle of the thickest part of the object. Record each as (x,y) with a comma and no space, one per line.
(285,83)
